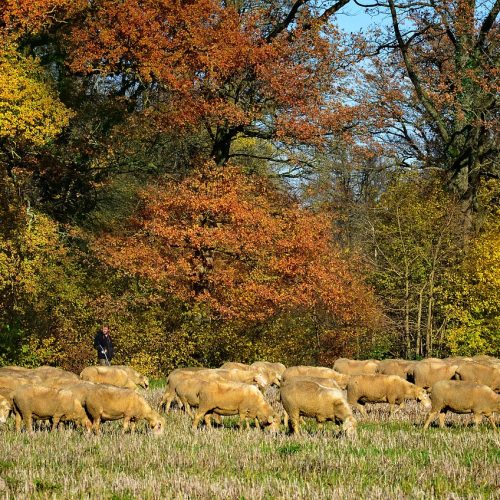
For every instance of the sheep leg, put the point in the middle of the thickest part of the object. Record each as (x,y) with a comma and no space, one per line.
(218,419)
(430,418)
(492,420)
(442,416)
(243,419)
(477,417)
(295,423)
(285,420)
(166,401)
(208,420)
(198,416)
(96,424)
(132,425)
(362,409)
(55,422)
(18,419)
(394,409)
(28,423)
(187,408)
(126,422)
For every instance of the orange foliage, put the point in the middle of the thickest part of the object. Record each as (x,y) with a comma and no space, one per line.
(217,66)
(236,244)
(32,16)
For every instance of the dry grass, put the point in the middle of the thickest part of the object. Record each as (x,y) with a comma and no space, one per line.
(391,458)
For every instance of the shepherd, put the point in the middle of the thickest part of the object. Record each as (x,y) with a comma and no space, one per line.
(104,345)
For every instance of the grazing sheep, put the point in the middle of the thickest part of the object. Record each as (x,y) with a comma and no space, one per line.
(399,367)
(356,367)
(46,403)
(390,389)
(310,399)
(462,397)
(107,375)
(177,377)
(273,371)
(235,398)
(315,371)
(427,372)
(480,373)
(106,402)
(136,377)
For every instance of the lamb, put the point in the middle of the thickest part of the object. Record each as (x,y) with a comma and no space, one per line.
(356,367)
(399,367)
(390,389)
(427,372)
(480,373)
(136,377)
(45,403)
(315,371)
(105,402)
(462,397)
(107,375)
(310,399)
(235,398)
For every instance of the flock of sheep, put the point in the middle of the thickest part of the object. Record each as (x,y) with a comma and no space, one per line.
(101,393)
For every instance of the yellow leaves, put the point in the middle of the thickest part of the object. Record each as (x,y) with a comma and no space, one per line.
(30,110)
(473,297)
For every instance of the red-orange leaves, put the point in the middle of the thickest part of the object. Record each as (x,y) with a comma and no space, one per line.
(204,63)
(241,247)
(33,16)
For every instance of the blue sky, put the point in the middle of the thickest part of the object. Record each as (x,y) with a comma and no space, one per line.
(352,18)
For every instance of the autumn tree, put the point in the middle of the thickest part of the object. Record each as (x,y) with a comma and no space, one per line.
(470,299)
(235,69)
(435,79)
(412,238)
(238,247)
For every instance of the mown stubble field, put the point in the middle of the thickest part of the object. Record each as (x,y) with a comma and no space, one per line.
(389,459)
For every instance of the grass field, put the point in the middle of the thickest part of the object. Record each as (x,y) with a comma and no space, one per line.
(390,458)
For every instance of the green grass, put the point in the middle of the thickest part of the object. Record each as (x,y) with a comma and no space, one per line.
(389,459)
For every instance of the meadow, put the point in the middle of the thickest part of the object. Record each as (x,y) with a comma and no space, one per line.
(391,458)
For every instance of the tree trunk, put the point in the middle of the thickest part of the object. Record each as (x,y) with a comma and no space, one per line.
(418,344)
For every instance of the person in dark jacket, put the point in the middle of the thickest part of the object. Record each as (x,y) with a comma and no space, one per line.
(104,346)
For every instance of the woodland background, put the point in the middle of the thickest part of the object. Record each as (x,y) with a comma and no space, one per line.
(242,179)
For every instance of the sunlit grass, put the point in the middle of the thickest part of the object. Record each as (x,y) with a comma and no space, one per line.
(390,458)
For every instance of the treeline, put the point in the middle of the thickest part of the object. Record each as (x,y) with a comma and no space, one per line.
(243,180)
